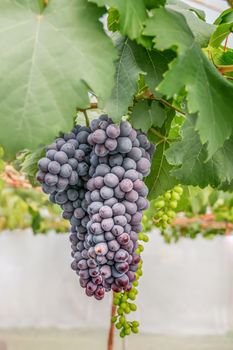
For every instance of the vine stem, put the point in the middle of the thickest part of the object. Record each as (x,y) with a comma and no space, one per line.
(112,326)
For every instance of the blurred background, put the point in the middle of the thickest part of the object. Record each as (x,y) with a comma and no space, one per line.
(185,298)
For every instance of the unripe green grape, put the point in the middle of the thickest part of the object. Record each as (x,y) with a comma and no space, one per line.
(122,333)
(128,331)
(159,214)
(164,217)
(118,325)
(123,306)
(114,319)
(133,307)
(120,311)
(135,283)
(122,319)
(145,238)
(171,214)
(173,204)
(135,330)
(159,204)
(167,195)
(178,189)
(116,302)
(132,296)
(127,325)
(127,310)
(175,196)
(140,236)
(135,324)
(124,297)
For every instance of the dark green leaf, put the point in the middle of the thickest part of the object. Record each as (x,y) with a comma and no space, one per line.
(189,155)
(146,114)
(126,80)
(160,179)
(132,15)
(208,93)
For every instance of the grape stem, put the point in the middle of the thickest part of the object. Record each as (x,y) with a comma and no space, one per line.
(86,118)
(147,95)
(112,326)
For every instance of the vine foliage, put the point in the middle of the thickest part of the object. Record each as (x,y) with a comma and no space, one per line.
(156,62)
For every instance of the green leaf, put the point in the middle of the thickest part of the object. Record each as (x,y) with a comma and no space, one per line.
(208,93)
(134,60)
(153,63)
(146,114)
(189,155)
(160,179)
(113,19)
(151,4)
(201,30)
(27,162)
(225,27)
(49,62)
(132,15)
(126,80)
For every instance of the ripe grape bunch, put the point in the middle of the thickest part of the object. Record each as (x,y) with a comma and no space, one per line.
(96,175)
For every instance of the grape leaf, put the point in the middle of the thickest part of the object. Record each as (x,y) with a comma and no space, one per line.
(134,60)
(160,178)
(151,4)
(126,80)
(189,156)
(208,93)
(49,62)
(146,114)
(113,19)
(201,30)
(224,28)
(132,15)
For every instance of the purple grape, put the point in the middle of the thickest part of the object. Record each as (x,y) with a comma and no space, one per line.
(50,179)
(106,192)
(124,145)
(126,185)
(61,157)
(66,170)
(43,164)
(105,212)
(111,180)
(118,209)
(113,131)
(125,128)
(101,249)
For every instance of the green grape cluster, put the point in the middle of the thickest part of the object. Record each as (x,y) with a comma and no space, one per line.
(164,207)
(124,300)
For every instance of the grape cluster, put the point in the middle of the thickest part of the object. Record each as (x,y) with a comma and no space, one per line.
(96,175)
(164,207)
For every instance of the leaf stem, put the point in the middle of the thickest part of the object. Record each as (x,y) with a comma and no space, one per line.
(166,103)
(157,133)
(227,77)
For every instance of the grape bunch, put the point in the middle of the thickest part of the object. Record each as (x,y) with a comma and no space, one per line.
(96,175)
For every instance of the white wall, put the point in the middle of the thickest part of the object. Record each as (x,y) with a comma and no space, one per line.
(186,288)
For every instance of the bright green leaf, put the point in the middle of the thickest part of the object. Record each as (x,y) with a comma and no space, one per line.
(208,93)
(49,62)
(113,19)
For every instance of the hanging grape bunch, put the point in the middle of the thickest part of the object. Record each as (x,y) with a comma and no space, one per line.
(96,175)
